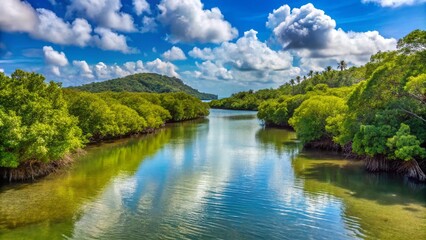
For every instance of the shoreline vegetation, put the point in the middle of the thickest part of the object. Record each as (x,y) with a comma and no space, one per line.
(375,112)
(42,124)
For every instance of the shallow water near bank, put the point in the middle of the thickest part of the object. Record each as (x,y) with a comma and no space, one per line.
(220,177)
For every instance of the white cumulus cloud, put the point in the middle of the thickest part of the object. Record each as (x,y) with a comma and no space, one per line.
(109,40)
(162,67)
(212,71)
(54,29)
(246,60)
(173,54)
(141,6)
(277,16)
(312,35)
(188,21)
(83,69)
(53,57)
(148,24)
(54,60)
(395,3)
(106,13)
(205,53)
(17,16)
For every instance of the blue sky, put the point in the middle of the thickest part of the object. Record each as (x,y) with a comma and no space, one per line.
(217,46)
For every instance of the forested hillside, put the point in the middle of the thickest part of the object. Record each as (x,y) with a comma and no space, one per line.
(145,82)
(41,123)
(376,112)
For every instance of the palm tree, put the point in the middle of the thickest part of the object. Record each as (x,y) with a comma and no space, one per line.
(311,73)
(328,68)
(298,79)
(342,65)
(292,85)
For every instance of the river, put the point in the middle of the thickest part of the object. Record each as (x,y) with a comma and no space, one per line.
(223,177)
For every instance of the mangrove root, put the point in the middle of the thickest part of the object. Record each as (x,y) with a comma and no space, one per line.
(412,170)
(33,169)
(324,144)
(377,164)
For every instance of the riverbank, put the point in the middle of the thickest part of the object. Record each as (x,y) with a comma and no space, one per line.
(413,169)
(31,171)
(272,118)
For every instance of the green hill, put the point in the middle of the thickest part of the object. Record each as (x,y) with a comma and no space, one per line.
(145,82)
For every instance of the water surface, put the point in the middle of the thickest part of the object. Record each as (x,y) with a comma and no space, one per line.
(222,177)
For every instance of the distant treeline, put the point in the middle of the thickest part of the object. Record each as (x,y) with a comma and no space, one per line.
(376,112)
(41,123)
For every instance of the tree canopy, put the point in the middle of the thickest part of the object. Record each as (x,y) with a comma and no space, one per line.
(34,120)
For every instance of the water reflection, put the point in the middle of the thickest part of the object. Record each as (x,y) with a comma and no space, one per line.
(62,196)
(281,140)
(385,206)
(192,190)
(222,177)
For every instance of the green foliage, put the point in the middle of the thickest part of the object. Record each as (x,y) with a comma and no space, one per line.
(145,82)
(12,135)
(405,146)
(153,114)
(371,140)
(273,112)
(278,111)
(34,120)
(249,100)
(95,116)
(128,121)
(416,87)
(414,41)
(390,96)
(310,119)
(183,107)
(110,114)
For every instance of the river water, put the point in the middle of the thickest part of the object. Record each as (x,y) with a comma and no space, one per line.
(223,177)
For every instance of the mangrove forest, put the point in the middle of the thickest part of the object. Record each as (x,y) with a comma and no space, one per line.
(42,124)
(376,112)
